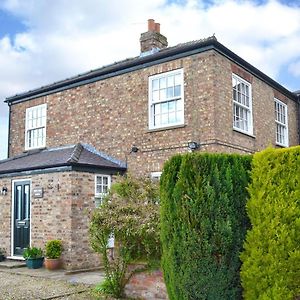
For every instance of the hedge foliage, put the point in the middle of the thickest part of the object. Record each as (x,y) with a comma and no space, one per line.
(203,224)
(271,260)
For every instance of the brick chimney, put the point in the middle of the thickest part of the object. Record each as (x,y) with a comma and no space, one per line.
(152,40)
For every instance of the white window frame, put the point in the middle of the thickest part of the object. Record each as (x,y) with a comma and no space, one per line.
(42,126)
(246,108)
(283,125)
(152,103)
(99,196)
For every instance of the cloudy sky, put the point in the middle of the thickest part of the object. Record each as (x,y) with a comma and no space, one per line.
(43,41)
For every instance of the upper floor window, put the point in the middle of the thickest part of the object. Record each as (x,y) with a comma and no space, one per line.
(35,127)
(102,186)
(166,99)
(242,105)
(281,120)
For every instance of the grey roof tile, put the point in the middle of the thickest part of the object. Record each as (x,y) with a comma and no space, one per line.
(73,155)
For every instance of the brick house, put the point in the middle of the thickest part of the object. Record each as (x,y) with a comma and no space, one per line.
(67,139)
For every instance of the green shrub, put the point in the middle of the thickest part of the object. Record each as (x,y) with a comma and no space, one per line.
(203,224)
(271,260)
(32,252)
(131,213)
(54,249)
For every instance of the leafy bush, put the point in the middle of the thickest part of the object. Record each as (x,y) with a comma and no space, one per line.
(271,260)
(203,224)
(32,253)
(54,249)
(131,213)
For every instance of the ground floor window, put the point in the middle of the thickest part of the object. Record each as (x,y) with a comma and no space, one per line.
(102,186)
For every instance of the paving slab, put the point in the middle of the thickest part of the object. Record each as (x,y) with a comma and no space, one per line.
(87,278)
(10,264)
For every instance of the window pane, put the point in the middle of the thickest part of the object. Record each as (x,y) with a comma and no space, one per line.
(170,92)
(170,81)
(155,84)
(172,117)
(155,96)
(157,120)
(171,106)
(163,94)
(162,83)
(177,91)
(105,180)
(179,105)
(164,119)
(164,107)
(157,109)
(177,79)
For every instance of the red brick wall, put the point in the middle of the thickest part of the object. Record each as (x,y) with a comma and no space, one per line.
(112,114)
(147,285)
(63,213)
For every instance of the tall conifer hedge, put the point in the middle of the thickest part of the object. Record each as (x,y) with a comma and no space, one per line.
(203,224)
(271,260)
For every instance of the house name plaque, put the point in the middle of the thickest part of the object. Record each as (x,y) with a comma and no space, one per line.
(38,192)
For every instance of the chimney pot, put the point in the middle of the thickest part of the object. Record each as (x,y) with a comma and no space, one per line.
(151,25)
(157,27)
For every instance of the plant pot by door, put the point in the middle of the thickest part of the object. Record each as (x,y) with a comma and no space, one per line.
(53,264)
(34,263)
(2,257)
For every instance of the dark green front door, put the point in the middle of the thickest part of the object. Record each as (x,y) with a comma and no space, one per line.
(21,217)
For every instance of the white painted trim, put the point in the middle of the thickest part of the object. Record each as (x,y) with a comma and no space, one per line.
(250,108)
(286,144)
(15,258)
(150,103)
(155,174)
(26,129)
(13,218)
(108,184)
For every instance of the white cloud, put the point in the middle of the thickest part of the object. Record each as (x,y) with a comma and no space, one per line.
(65,38)
(294,68)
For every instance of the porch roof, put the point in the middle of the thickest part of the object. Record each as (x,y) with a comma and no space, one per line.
(79,155)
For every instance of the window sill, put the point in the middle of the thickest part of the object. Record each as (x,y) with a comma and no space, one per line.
(281,145)
(166,128)
(244,133)
(34,149)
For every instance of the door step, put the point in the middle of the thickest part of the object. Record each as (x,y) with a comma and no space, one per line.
(12,264)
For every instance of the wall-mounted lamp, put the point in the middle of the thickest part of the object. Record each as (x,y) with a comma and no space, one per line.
(193,146)
(4,191)
(134,149)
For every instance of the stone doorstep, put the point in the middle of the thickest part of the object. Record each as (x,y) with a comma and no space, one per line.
(12,264)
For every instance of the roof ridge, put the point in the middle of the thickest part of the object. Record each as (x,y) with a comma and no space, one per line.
(105,156)
(74,158)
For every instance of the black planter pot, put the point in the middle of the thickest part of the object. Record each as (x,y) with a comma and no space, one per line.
(34,263)
(2,257)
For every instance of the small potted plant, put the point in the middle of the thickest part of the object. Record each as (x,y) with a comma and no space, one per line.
(34,257)
(2,255)
(54,250)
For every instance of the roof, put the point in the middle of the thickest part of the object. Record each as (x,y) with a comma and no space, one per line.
(132,64)
(79,155)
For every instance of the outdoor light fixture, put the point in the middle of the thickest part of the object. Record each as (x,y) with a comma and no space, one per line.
(134,149)
(193,146)
(4,191)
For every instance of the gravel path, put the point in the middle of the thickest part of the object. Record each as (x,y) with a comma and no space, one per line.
(18,287)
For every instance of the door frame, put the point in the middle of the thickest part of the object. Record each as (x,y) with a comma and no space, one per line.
(13,216)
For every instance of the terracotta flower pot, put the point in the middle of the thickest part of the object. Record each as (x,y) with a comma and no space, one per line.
(52,264)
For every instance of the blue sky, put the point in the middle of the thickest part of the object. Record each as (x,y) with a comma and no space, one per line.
(43,41)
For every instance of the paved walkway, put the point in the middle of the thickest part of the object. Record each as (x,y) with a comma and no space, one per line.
(19,282)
